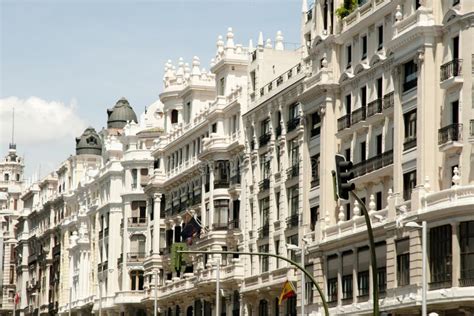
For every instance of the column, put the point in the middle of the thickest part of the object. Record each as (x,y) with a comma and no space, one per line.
(211,194)
(398,132)
(456,254)
(156,223)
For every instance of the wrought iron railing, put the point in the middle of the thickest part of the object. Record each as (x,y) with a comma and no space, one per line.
(292,124)
(293,171)
(221,183)
(358,115)
(388,100)
(264,184)
(450,69)
(136,256)
(344,122)
(137,221)
(374,107)
(264,139)
(409,143)
(292,221)
(264,231)
(373,163)
(452,132)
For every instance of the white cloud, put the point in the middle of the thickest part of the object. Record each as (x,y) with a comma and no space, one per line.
(39,121)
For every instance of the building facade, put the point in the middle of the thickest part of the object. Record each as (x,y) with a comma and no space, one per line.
(247,149)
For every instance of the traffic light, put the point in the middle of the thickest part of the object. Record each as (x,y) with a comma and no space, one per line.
(343,176)
(177,257)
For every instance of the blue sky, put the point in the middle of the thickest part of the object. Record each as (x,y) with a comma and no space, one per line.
(79,57)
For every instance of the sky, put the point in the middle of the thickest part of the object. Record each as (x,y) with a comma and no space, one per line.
(63,63)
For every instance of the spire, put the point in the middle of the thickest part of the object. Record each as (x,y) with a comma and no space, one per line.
(279,41)
(195,71)
(220,45)
(250,45)
(260,40)
(304,6)
(230,38)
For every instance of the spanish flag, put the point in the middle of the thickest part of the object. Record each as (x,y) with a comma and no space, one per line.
(287,292)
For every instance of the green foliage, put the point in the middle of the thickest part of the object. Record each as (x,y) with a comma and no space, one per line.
(177,259)
(346,8)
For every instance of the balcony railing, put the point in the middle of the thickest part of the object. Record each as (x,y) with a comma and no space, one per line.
(221,183)
(292,124)
(382,279)
(449,133)
(264,139)
(314,182)
(466,281)
(373,163)
(358,115)
(374,107)
(278,131)
(450,69)
(137,221)
(440,284)
(264,184)
(136,256)
(388,100)
(408,85)
(32,258)
(264,231)
(344,122)
(234,224)
(292,221)
(409,143)
(220,226)
(57,250)
(293,171)
(235,179)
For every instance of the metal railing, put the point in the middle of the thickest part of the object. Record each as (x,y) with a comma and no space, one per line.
(56,249)
(388,100)
(373,163)
(409,143)
(220,226)
(234,224)
(374,107)
(450,69)
(264,231)
(264,139)
(221,183)
(292,221)
(408,85)
(293,171)
(136,256)
(344,122)
(452,132)
(264,184)
(137,221)
(235,179)
(278,131)
(292,124)
(358,115)
(315,182)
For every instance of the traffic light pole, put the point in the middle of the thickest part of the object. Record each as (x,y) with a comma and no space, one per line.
(263,254)
(373,258)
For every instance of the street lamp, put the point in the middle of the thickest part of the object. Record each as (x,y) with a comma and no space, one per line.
(303,250)
(424,254)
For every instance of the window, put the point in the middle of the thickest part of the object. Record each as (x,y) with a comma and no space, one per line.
(363,261)
(277,202)
(455,112)
(347,153)
(315,124)
(348,55)
(253,80)
(364,47)
(222,86)
(136,280)
(410,76)
(174,116)
(379,88)
(277,251)
(265,160)
(417,4)
(379,37)
(214,128)
(314,216)
(378,144)
(347,263)
(292,240)
(403,262)
(188,112)
(378,201)
(466,243)
(332,266)
(456,2)
(381,259)
(221,213)
(409,183)
(410,130)
(363,96)
(363,148)
(265,212)
(293,111)
(265,127)
(315,162)
(294,152)
(293,200)
(309,285)
(348,104)
(263,259)
(440,256)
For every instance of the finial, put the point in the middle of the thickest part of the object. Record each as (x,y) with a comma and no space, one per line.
(398,13)
(279,41)
(268,44)
(196,64)
(324,61)
(260,40)
(250,45)
(341,214)
(213,62)
(220,45)
(230,38)
(187,71)
(372,205)
(456,178)
(356,208)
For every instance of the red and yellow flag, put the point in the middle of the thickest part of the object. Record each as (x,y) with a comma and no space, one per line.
(287,292)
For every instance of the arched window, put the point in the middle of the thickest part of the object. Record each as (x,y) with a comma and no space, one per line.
(136,280)
(263,308)
(174,116)
(6,177)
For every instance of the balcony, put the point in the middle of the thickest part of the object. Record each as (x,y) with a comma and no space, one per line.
(136,256)
(264,139)
(388,100)
(358,115)
(234,224)
(451,69)
(137,221)
(235,179)
(466,281)
(292,221)
(373,163)
(315,182)
(264,184)
(57,250)
(343,122)
(444,284)
(292,124)
(220,226)
(102,266)
(221,183)
(32,258)
(196,199)
(293,171)
(374,107)
(264,231)
(408,85)
(450,133)
(409,143)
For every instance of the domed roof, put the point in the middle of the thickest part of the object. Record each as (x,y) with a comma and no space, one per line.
(120,114)
(89,143)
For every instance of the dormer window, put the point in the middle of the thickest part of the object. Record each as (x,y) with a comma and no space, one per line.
(91,141)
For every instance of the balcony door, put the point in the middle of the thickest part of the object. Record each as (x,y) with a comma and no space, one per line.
(455,112)
(456,47)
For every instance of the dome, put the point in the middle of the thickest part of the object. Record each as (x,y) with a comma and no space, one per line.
(89,143)
(120,114)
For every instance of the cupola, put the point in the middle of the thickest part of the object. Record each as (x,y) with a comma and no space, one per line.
(120,114)
(89,143)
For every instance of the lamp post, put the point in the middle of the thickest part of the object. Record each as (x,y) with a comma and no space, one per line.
(303,281)
(424,254)
(218,281)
